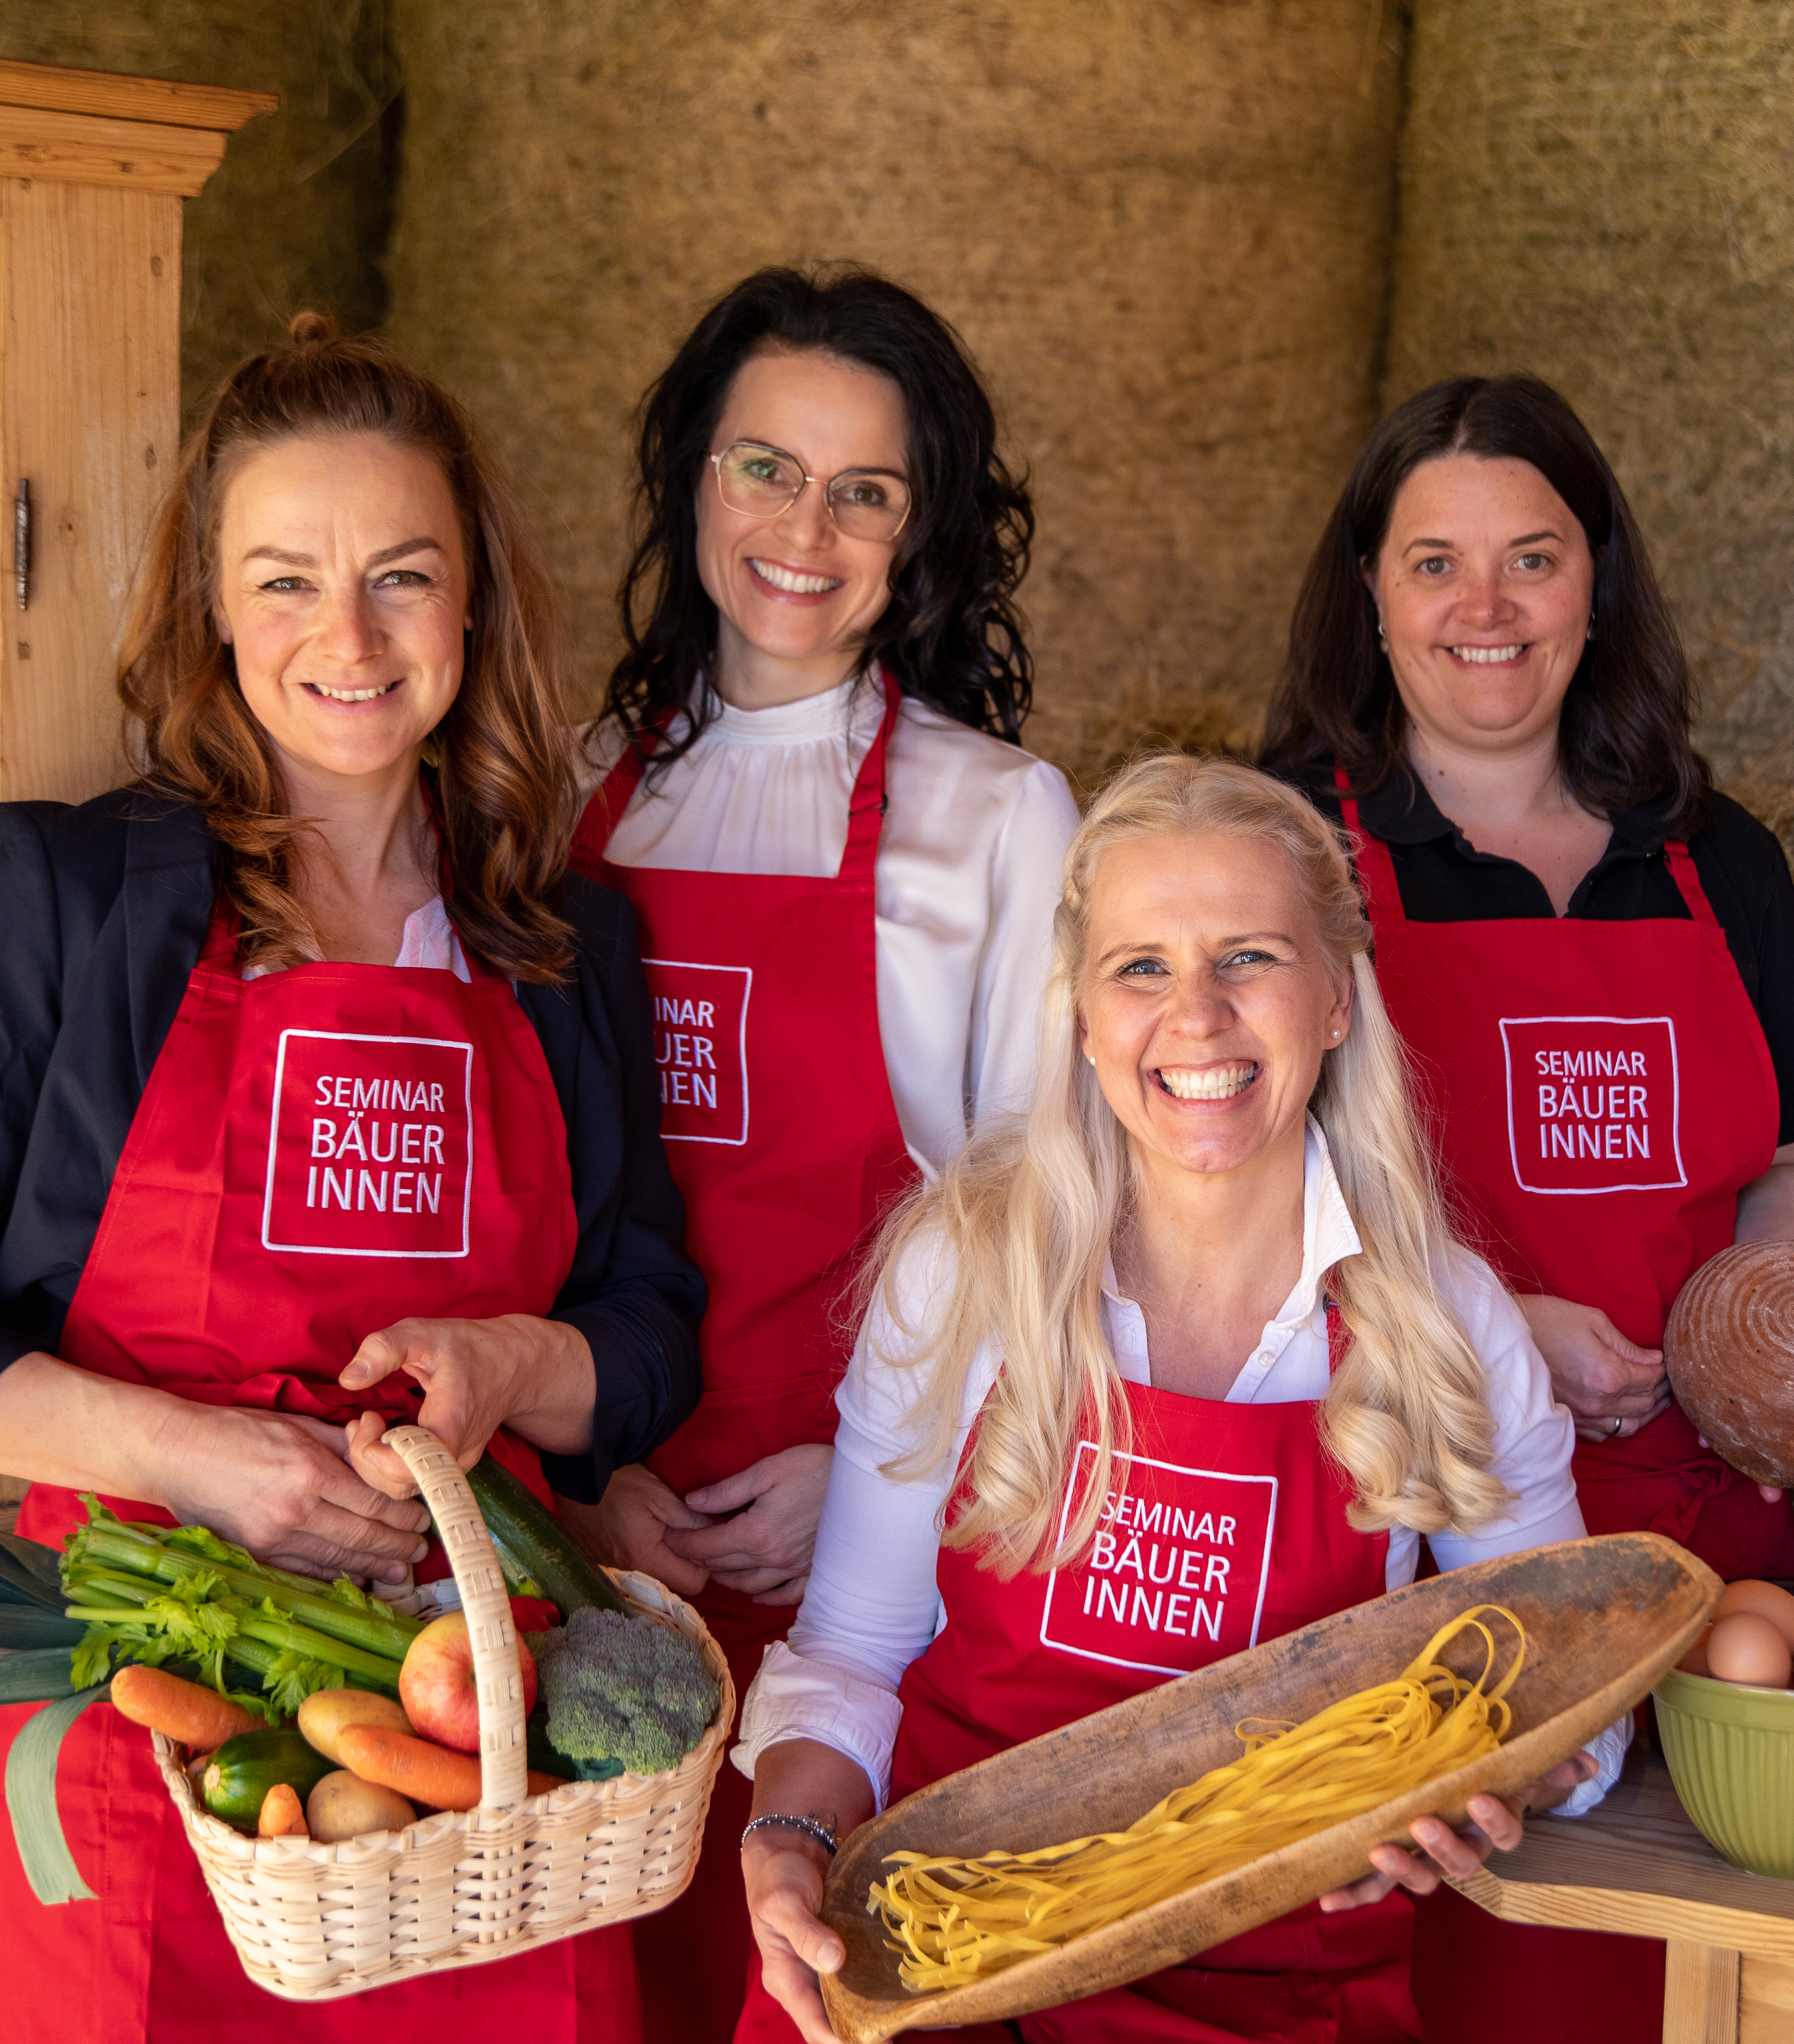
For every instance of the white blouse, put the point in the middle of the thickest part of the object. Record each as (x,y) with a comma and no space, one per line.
(968,873)
(428,939)
(871,1605)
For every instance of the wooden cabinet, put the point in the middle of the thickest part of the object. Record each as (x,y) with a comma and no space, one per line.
(93,170)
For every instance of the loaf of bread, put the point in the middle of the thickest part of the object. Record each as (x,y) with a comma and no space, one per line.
(1729,1349)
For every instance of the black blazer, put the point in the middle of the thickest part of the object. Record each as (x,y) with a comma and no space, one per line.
(105,909)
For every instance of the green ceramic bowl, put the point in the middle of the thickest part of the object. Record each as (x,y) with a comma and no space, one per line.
(1730,1751)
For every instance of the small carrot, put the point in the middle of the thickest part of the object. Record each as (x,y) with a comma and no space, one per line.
(428,1773)
(282,1815)
(182,1710)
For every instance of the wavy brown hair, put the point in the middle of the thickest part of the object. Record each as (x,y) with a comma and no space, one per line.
(498,770)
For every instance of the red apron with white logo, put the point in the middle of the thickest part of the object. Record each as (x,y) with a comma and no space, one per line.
(318,1153)
(1226,1527)
(781,1131)
(1603,1091)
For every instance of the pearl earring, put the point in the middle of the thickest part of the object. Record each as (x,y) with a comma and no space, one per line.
(1591,624)
(1381,640)
(1335,1032)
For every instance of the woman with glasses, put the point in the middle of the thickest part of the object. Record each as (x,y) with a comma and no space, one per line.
(844,869)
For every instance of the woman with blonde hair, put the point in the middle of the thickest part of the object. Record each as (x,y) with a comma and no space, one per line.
(328,1099)
(1228,1366)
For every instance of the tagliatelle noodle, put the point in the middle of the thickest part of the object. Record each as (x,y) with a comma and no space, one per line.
(954,1919)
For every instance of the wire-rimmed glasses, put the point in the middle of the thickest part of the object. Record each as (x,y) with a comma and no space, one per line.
(762,481)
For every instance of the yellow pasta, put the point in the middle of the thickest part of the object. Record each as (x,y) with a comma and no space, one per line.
(954,1919)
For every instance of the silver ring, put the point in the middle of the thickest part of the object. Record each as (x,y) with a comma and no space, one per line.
(1617,1423)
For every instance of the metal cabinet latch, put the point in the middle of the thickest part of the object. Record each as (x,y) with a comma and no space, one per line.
(21,542)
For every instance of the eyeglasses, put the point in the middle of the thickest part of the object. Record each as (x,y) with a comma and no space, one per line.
(765,481)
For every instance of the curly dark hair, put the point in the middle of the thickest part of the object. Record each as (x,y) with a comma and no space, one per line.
(1625,734)
(951,633)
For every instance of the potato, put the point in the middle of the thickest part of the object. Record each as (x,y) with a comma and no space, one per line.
(344,1805)
(323,1713)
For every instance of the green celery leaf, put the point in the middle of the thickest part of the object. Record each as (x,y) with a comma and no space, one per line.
(31,1802)
(343,1591)
(292,1679)
(93,1658)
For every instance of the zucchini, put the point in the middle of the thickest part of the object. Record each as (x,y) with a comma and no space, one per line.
(533,1546)
(243,1769)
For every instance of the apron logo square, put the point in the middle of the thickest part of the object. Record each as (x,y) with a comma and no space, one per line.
(370,1146)
(1594,1103)
(700,1047)
(1176,1576)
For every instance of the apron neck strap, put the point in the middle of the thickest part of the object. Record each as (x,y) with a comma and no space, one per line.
(1680,862)
(1376,870)
(865,812)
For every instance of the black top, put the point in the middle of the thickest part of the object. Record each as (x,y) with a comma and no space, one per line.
(1443,878)
(107,907)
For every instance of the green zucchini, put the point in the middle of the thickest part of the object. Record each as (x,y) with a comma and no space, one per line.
(533,1546)
(243,1769)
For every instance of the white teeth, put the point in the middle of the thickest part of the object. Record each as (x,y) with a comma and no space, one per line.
(1486,656)
(795,584)
(1218,1082)
(351,695)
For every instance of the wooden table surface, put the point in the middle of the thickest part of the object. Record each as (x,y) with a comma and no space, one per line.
(1636,1863)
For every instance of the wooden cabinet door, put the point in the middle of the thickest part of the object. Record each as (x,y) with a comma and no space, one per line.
(89,381)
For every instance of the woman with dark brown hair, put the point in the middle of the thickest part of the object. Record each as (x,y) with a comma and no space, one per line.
(1590,955)
(327,1098)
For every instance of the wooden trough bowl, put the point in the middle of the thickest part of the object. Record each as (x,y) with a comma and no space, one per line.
(1604,1620)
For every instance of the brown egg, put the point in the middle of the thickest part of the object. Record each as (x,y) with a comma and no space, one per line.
(1765,1598)
(1747,1648)
(1694,1661)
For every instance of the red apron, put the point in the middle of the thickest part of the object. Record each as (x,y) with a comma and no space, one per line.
(780,1128)
(318,1153)
(1603,1091)
(1227,1527)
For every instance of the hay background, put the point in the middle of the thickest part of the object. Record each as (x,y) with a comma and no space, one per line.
(299,212)
(1600,190)
(1162,225)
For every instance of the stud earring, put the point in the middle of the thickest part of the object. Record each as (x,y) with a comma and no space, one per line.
(1382,638)
(1335,1032)
(1591,625)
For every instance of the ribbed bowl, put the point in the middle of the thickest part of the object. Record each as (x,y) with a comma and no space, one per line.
(1730,1751)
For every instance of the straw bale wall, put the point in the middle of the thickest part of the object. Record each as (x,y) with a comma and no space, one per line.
(1598,191)
(1162,226)
(298,212)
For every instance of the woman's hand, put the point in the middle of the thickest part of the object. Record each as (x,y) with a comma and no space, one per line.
(1600,1375)
(765,1549)
(784,1870)
(534,1376)
(278,1484)
(1496,1826)
(628,1528)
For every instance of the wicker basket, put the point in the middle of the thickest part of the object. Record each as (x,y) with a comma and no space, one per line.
(311,1921)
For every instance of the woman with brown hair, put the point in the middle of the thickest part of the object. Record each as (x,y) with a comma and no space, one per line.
(324,1085)
(1590,955)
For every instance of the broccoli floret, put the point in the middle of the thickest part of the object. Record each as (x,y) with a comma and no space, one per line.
(620,1686)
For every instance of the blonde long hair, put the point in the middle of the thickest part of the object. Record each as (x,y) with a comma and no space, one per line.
(1027,1213)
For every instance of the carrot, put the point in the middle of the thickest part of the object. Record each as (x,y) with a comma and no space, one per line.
(179,1709)
(282,1815)
(426,1773)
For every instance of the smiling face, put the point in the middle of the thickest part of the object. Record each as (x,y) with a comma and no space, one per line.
(1207,1005)
(343,590)
(1484,586)
(795,597)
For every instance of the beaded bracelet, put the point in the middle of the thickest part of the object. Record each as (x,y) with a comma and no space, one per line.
(822,1834)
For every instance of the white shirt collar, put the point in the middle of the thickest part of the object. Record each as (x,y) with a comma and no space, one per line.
(831,715)
(1328,1237)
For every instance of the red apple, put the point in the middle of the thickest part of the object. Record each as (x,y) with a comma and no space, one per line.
(437,1685)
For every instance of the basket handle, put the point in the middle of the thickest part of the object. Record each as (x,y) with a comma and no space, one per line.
(504,1772)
